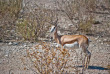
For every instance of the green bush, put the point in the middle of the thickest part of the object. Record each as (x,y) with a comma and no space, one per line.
(9,12)
(85,26)
(11,7)
(35,24)
(26,30)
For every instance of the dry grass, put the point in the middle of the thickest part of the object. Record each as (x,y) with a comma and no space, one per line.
(35,23)
(85,26)
(9,13)
(48,60)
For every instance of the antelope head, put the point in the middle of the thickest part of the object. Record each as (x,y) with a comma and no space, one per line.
(54,26)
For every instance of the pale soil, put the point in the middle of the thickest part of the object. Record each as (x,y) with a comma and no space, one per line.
(13,58)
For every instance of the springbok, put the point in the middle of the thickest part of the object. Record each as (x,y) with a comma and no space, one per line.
(71,40)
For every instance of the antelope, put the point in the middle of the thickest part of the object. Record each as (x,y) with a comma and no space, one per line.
(71,40)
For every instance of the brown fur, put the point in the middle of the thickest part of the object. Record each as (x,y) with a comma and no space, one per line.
(69,39)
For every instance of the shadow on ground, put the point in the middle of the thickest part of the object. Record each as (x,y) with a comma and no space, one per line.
(96,67)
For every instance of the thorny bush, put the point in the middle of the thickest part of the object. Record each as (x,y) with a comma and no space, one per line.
(48,60)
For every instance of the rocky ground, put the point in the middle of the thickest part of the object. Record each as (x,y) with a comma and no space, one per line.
(13,57)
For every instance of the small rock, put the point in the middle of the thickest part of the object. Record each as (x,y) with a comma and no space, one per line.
(102,43)
(105,39)
(99,40)
(10,43)
(15,43)
(70,24)
(6,54)
(108,45)
(94,45)
(25,45)
(96,38)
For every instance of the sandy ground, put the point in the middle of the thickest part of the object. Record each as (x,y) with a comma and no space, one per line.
(13,58)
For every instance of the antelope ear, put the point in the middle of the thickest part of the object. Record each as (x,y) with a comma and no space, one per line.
(56,22)
(56,25)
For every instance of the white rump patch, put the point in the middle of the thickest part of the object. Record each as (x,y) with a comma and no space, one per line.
(72,45)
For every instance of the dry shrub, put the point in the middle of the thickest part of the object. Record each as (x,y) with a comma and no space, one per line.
(9,12)
(85,26)
(48,60)
(78,12)
(26,29)
(35,24)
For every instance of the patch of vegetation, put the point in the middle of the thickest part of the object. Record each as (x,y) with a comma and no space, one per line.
(26,29)
(35,24)
(9,12)
(85,26)
(48,60)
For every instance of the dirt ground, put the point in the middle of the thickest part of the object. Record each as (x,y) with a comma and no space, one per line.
(13,57)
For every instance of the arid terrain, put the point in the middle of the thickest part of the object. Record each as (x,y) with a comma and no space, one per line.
(14,58)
